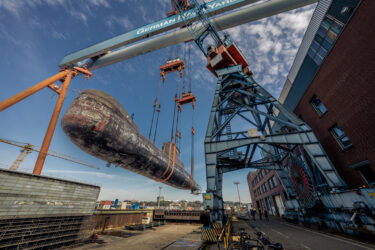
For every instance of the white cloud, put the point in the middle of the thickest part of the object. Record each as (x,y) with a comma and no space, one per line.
(78,172)
(81,175)
(100,3)
(122,21)
(270,45)
(58,35)
(16,7)
(12,6)
(55,2)
(107,193)
(10,38)
(78,15)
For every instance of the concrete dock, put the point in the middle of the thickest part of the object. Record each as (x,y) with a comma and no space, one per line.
(169,236)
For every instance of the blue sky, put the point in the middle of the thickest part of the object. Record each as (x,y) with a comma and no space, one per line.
(36,34)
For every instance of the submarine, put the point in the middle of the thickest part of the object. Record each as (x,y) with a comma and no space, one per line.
(100,126)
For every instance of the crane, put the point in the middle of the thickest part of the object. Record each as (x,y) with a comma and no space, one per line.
(21,157)
(27,148)
(274,133)
(239,96)
(99,55)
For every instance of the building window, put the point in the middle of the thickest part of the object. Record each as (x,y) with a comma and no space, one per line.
(340,137)
(265,187)
(260,174)
(325,37)
(318,105)
(269,206)
(274,181)
(270,183)
(366,172)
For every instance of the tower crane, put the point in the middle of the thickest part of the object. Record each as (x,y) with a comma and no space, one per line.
(21,157)
(27,148)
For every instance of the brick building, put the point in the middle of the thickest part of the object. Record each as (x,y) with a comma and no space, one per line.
(266,191)
(331,86)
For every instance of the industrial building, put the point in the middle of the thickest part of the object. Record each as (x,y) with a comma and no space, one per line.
(266,191)
(39,211)
(330,86)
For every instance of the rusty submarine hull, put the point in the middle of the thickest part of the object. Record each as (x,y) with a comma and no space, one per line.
(101,127)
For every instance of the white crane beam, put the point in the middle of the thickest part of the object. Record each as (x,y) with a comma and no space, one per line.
(226,21)
(212,8)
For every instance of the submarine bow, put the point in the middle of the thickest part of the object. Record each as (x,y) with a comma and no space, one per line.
(101,127)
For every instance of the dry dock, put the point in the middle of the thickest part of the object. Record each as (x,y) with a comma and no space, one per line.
(39,211)
(170,236)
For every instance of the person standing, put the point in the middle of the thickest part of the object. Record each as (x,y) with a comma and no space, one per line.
(205,220)
(260,213)
(253,213)
(266,214)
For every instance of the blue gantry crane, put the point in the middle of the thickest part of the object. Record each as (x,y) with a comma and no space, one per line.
(273,137)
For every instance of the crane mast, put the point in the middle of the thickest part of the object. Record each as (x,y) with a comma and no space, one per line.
(201,29)
(21,157)
(239,96)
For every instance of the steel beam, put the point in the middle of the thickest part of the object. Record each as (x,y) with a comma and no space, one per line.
(226,21)
(272,144)
(32,90)
(210,9)
(52,124)
(292,138)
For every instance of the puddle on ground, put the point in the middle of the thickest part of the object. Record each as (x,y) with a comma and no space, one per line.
(185,244)
(121,234)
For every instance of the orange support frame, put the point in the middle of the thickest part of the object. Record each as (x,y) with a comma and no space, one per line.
(172,66)
(187,98)
(52,125)
(66,75)
(28,92)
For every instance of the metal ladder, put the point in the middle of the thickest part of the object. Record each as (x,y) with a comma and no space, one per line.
(228,128)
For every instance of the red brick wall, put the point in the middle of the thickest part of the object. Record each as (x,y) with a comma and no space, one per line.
(278,190)
(345,84)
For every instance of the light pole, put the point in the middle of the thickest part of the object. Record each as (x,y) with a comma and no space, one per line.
(238,191)
(160,188)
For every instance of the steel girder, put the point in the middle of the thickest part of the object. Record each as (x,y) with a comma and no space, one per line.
(262,133)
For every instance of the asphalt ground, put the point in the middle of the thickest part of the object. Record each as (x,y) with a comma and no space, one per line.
(294,237)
